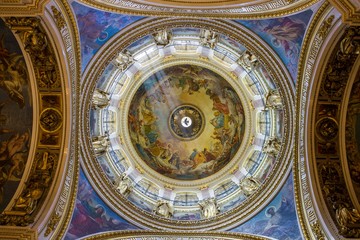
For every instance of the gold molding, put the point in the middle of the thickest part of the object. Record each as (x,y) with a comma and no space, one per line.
(275,8)
(173,235)
(349,9)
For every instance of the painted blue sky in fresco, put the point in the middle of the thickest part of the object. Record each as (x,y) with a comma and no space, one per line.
(96,27)
(91,215)
(284,35)
(278,220)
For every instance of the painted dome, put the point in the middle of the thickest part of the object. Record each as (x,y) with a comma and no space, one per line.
(186,122)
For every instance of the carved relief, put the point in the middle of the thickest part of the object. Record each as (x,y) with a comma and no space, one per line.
(340,65)
(208,38)
(100,99)
(209,208)
(40,52)
(123,184)
(248,60)
(163,209)
(60,21)
(326,129)
(272,146)
(124,60)
(50,120)
(100,144)
(273,100)
(249,185)
(162,37)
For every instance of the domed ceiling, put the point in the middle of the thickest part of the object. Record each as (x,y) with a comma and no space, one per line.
(146,126)
(187,124)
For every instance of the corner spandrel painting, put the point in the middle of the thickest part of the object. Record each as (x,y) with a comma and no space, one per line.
(186,122)
(15,115)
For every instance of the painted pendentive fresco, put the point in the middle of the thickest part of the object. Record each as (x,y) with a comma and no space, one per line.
(278,220)
(91,215)
(353,136)
(96,27)
(285,35)
(15,115)
(186,122)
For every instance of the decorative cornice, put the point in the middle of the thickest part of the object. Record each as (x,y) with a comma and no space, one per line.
(349,9)
(26,8)
(173,235)
(268,9)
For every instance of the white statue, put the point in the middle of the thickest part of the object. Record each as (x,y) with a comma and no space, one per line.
(248,60)
(162,37)
(123,184)
(208,38)
(273,100)
(124,59)
(209,208)
(100,144)
(272,146)
(249,185)
(164,209)
(100,99)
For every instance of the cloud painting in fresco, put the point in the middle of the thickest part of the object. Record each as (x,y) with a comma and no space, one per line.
(278,220)
(15,115)
(96,27)
(284,35)
(91,215)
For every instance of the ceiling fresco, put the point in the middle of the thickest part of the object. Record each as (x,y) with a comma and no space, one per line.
(15,115)
(186,122)
(96,27)
(284,35)
(121,120)
(91,215)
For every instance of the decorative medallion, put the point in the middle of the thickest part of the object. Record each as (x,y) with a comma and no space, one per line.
(50,120)
(186,122)
(327,128)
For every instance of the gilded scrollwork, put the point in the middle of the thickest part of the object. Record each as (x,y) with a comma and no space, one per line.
(327,129)
(60,21)
(325,27)
(37,186)
(37,45)
(54,220)
(51,120)
(340,64)
(249,185)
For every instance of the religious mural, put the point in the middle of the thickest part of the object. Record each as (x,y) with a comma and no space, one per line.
(186,122)
(278,220)
(284,34)
(15,115)
(352,136)
(91,215)
(96,27)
